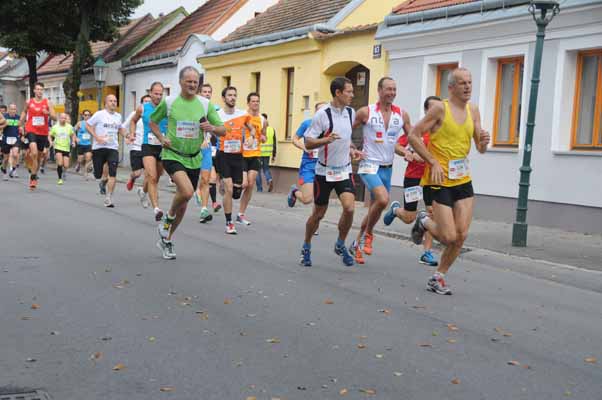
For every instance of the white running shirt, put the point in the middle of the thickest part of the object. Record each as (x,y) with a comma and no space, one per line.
(137,144)
(106,125)
(379,143)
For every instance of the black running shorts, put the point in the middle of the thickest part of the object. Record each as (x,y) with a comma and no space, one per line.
(323,188)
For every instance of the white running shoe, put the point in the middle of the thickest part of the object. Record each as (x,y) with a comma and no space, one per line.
(167,249)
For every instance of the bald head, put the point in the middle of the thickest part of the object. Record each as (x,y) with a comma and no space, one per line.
(111,103)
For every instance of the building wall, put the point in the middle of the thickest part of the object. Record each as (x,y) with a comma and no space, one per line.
(369,12)
(241,16)
(140,81)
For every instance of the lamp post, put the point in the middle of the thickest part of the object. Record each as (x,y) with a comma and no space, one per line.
(100,70)
(543,11)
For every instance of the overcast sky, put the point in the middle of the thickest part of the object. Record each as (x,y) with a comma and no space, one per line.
(156,7)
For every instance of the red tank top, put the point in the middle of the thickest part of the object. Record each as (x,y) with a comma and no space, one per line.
(37,121)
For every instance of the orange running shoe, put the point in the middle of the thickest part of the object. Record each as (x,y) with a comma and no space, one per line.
(368,244)
(357,253)
(33,183)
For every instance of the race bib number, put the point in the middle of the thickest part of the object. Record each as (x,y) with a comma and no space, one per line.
(392,137)
(111,137)
(231,146)
(313,153)
(412,194)
(213,151)
(336,174)
(367,168)
(152,139)
(186,130)
(458,169)
(38,121)
(251,145)
(11,140)
(86,136)
(62,136)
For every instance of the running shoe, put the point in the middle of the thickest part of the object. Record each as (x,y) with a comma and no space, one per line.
(436,284)
(292,199)
(390,215)
(216,207)
(42,170)
(230,229)
(109,203)
(158,214)
(143,197)
(368,238)
(33,183)
(59,182)
(197,199)
(428,259)
(356,252)
(241,219)
(77,168)
(102,186)
(13,173)
(167,249)
(418,229)
(305,257)
(165,226)
(130,185)
(346,257)
(205,216)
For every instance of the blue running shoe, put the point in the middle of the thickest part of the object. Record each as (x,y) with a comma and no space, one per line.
(390,215)
(344,253)
(292,199)
(428,259)
(305,257)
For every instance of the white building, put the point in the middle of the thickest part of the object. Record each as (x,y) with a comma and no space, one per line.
(180,47)
(495,40)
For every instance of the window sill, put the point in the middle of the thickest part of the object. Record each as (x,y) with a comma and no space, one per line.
(498,149)
(581,153)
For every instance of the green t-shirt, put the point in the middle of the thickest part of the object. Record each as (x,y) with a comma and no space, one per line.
(183,127)
(61,136)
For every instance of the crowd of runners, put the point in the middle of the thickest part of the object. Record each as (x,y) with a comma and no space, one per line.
(201,146)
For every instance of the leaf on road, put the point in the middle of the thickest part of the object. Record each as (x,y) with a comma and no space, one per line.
(227,301)
(397,373)
(455,381)
(368,392)
(379,356)
(343,392)
(425,345)
(96,356)
(118,367)
(385,311)
(419,307)
(106,338)
(273,340)
(203,315)
(498,330)
(55,333)
(251,398)
(591,360)
(152,338)
(452,327)
(301,388)
(26,318)
(167,389)
(452,341)
(513,363)
(361,346)
(328,301)
(507,334)
(435,333)
(30,360)
(35,306)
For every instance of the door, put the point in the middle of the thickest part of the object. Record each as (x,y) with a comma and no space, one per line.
(360,76)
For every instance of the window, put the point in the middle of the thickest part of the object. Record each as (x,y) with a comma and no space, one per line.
(226,81)
(256,84)
(587,111)
(290,83)
(508,101)
(166,91)
(133,97)
(443,72)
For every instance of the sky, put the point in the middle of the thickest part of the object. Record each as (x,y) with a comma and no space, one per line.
(156,7)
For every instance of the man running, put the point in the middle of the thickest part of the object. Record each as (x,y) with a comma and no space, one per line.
(10,141)
(268,152)
(35,118)
(413,192)
(231,159)
(307,169)
(134,140)
(207,184)
(383,123)
(251,155)
(105,127)
(61,136)
(330,132)
(452,124)
(84,144)
(151,148)
(189,116)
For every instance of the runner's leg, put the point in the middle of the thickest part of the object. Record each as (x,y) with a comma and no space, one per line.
(184,192)
(313,222)
(462,215)
(152,178)
(348,204)
(251,177)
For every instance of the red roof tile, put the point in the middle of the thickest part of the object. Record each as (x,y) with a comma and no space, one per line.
(422,5)
(288,14)
(204,20)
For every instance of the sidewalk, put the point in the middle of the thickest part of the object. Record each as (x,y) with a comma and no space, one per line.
(544,244)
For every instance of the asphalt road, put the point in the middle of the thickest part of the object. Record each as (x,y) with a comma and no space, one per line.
(84,291)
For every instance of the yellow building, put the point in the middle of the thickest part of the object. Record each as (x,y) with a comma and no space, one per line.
(290,53)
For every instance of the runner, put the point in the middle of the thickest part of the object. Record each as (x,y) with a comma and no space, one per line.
(231,159)
(105,126)
(307,169)
(34,121)
(208,174)
(383,123)
(134,140)
(151,148)
(330,132)
(9,122)
(413,192)
(61,136)
(447,173)
(251,156)
(189,116)
(84,145)
(268,152)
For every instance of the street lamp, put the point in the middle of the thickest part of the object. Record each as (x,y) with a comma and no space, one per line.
(543,11)
(100,70)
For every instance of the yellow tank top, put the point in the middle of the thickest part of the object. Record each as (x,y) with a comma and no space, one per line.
(450,142)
